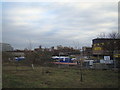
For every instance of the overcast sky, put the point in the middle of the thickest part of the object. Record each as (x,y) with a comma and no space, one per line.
(56,23)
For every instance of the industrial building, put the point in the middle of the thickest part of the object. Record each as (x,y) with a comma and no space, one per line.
(87,52)
(5,47)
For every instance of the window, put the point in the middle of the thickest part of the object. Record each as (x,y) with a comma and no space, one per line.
(97,48)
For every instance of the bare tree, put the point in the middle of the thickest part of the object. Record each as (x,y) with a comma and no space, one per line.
(80,59)
(30,55)
(102,35)
(113,45)
(114,35)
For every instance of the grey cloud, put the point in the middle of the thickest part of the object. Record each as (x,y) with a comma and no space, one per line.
(61,24)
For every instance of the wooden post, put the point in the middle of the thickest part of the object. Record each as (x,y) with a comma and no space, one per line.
(33,66)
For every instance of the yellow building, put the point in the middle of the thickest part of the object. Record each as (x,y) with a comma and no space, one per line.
(105,46)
